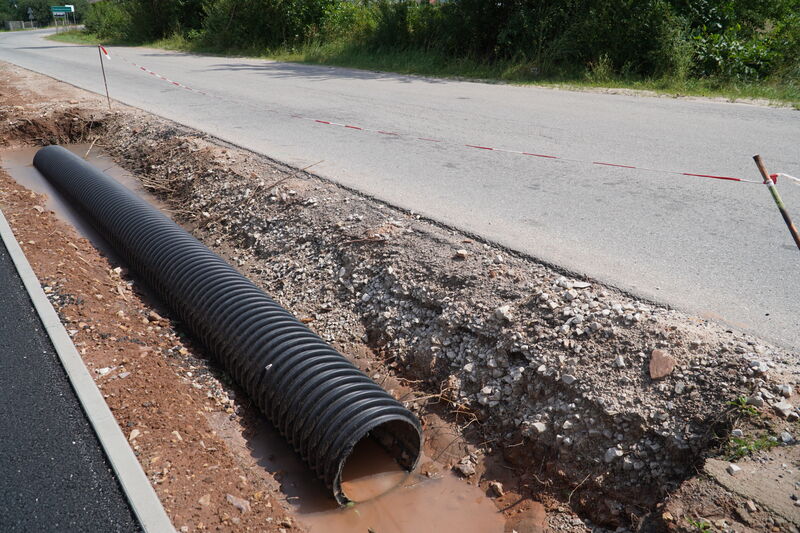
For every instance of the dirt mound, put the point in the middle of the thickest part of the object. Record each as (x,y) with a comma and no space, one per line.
(50,126)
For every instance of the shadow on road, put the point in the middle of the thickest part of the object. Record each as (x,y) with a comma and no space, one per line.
(318,73)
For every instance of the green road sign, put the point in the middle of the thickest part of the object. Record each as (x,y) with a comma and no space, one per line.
(60,9)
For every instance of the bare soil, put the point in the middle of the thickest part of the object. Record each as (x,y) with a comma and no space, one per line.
(522,375)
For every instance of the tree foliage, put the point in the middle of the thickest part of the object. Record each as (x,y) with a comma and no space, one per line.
(18,10)
(734,39)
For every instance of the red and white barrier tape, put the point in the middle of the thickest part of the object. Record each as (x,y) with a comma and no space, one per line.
(544,156)
(788,177)
(155,74)
(471,146)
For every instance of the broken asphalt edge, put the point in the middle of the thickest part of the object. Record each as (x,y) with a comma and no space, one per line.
(140,494)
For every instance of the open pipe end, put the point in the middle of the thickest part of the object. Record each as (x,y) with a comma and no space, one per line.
(377,461)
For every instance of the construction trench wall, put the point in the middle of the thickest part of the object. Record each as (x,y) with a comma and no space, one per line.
(555,370)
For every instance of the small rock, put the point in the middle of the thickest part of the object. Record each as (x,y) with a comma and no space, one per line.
(461,254)
(755,400)
(241,504)
(661,364)
(286,522)
(787,438)
(465,467)
(759,367)
(205,500)
(783,408)
(539,427)
(751,506)
(738,433)
(135,433)
(124,375)
(612,454)
(496,488)
(581,285)
(733,469)
(570,295)
(504,313)
(569,379)
(619,362)
(785,390)
(177,436)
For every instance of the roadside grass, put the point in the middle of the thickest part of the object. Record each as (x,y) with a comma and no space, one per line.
(699,525)
(433,64)
(75,37)
(84,37)
(740,406)
(739,447)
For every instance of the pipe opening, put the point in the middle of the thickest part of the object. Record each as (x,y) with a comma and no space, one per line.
(379,462)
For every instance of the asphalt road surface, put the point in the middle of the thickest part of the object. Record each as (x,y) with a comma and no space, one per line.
(715,248)
(53,473)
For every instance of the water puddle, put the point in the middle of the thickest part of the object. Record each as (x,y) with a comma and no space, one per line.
(19,165)
(388,499)
(418,504)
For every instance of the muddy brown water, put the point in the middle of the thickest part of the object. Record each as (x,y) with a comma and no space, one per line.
(19,165)
(386,498)
(407,503)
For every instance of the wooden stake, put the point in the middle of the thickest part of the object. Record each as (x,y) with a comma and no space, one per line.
(103,68)
(778,200)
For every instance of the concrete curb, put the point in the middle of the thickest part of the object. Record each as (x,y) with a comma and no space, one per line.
(140,494)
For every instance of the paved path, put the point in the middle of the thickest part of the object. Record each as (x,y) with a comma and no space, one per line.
(53,473)
(712,247)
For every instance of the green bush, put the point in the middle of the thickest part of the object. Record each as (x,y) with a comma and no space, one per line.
(784,41)
(109,21)
(347,21)
(263,24)
(600,39)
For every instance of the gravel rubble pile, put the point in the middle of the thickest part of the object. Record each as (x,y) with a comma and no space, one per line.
(617,393)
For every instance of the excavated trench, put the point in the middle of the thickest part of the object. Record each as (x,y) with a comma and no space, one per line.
(389,497)
(544,377)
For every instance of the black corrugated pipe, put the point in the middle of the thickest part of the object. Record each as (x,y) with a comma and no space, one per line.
(321,403)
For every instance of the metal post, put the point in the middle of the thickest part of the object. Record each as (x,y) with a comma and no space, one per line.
(778,200)
(105,82)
